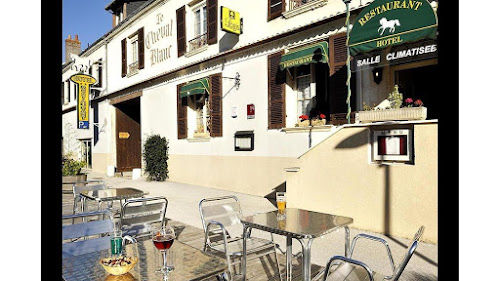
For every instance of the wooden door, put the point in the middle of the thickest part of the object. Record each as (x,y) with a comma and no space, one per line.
(128,141)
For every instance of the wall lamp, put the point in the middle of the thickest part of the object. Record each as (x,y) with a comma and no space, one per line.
(377,75)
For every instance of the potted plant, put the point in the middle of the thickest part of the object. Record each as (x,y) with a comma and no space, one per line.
(391,109)
(72,171)
(303,121)
(319,120)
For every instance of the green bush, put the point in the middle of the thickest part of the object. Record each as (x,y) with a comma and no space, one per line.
(71,167)
(156,156)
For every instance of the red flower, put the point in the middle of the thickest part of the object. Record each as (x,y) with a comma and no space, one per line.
(409,101)
(322,116)
(418,103)
(304,117)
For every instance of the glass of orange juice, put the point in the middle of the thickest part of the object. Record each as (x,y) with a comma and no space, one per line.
(281,201)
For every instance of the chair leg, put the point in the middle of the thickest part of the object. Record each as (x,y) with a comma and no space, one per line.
(230,268)
(277,263)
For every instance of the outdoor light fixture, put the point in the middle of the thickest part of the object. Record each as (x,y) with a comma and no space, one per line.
(377,75)
(236,80)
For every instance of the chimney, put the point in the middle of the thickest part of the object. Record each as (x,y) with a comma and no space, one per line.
(73,46)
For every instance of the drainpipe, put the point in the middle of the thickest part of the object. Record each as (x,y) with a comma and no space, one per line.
(348,63)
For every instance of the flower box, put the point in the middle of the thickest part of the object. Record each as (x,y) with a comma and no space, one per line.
(201,135)
(399,114)
(317,122)
(304,123)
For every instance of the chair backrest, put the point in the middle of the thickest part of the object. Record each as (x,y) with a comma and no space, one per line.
(89,185)
(225,209)
(138,215)
(411,249)
(85,237)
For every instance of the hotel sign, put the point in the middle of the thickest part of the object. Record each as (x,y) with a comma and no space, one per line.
(388,23)
(84,82)
(231,21)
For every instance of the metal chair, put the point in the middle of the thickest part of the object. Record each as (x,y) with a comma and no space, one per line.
(217,216)
(86,237)
(354,270)
(83,186)
(138,215)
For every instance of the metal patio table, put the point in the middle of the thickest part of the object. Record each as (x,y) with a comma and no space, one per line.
(302,225)
(112,194)
(190,264)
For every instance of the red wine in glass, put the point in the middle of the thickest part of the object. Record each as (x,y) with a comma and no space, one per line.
(163,242)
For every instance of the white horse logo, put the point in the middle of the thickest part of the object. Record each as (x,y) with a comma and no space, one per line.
(391,24)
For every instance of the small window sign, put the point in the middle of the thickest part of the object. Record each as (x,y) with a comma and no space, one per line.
(393,145)
(244,141)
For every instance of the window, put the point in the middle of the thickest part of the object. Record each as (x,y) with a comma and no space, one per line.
(133,52)
(133,56)
(304,88)
(118,16)
(296,7)
(199,108)
(86,152)
(394,145)
(200,27)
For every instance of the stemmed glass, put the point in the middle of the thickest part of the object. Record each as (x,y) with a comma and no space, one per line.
(163,238)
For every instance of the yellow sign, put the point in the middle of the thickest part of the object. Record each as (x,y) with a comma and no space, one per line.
(84,82)
(231,21)
(123,135)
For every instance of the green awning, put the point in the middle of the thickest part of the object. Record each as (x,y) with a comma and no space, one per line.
(313,53)
(195,88)
(386,23)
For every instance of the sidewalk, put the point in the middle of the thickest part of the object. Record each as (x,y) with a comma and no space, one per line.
(183,202)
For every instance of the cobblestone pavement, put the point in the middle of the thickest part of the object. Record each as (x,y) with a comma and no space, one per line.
(183,208)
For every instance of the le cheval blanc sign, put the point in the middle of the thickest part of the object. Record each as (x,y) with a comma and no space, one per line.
(157,35)
(387,23)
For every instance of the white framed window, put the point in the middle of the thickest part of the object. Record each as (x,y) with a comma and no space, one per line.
(198,39)
(394,145)
(118,15)
(86,152)
(133,54)
(305,88)
(200,20)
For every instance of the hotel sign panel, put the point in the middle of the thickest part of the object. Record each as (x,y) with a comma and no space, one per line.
(84,82)
(231,21)
(387,23)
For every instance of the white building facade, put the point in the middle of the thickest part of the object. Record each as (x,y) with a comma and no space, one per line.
(242,130)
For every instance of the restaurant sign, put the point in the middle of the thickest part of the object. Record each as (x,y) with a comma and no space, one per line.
(84,82)
(388,23)
(231,21)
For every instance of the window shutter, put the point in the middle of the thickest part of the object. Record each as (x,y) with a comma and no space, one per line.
(216,105)
(124,57)
(181,116)
(212,22)
(99,74)
(181,31)
(275,8)
(69,90)
(276,92)
(338,52)
(140,41)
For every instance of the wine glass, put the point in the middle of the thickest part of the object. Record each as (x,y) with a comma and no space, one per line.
(163,238)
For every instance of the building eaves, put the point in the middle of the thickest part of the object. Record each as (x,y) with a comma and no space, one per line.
(265,40)
(142,7)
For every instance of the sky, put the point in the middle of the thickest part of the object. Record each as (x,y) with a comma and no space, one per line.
(86,18)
